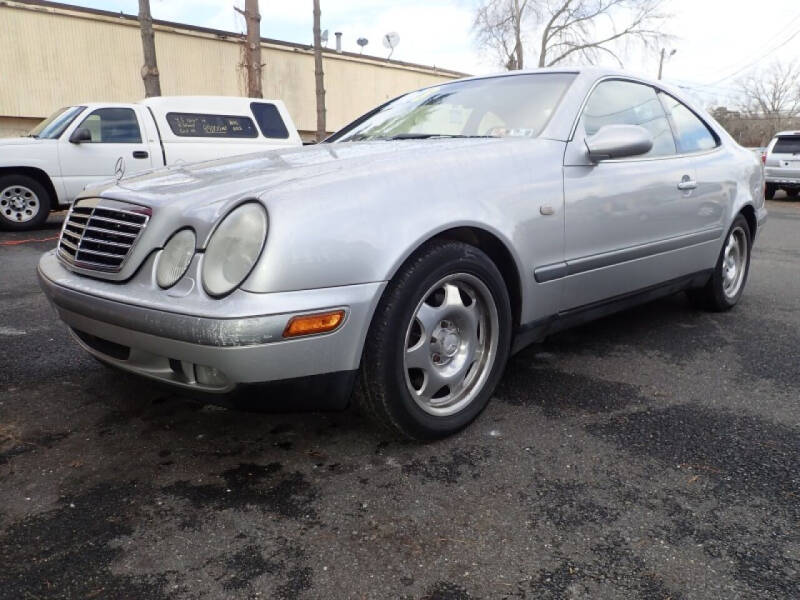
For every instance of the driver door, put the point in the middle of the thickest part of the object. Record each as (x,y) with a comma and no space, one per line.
(116,134)
(623,216)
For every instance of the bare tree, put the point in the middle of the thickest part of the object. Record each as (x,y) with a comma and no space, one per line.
(152,83)
(772,95)
(498,25)
(567,29)
(319,76)
(252,55)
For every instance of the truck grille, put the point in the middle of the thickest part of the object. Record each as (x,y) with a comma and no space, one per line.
(99,235)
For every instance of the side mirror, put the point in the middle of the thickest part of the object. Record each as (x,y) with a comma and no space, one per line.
(618,141)
(80,135)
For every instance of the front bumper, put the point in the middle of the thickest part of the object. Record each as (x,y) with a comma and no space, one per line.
(210,346)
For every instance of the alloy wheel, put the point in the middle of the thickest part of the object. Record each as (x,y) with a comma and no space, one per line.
(734,262)
(451,344)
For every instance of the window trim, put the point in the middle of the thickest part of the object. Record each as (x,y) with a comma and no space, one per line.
(577,120)
(211,137)
(135,118)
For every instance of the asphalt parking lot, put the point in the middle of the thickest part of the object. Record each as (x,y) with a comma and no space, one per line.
(654,454)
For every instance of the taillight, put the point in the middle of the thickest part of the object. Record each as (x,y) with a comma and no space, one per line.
(763,158)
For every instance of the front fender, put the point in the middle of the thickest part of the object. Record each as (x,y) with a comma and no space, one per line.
(360,229)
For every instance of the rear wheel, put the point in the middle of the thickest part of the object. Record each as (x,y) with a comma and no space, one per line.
(726,285)
(792,193)
(24,202)
(769,191)
(438,342)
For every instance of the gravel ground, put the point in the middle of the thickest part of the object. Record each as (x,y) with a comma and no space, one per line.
(654,454)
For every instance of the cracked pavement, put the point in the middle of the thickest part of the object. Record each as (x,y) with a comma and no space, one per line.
(653,454)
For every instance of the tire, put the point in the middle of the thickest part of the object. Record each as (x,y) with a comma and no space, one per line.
(725,287)
(444,320)
(792,193)
(24,203)
(769,191)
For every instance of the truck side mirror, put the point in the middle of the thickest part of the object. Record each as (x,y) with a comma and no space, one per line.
(80,135)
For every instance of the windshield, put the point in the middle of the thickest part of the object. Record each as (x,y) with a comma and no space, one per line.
(518,106)
(787,145)
(54,125)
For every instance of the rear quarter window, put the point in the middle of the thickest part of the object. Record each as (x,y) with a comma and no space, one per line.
(269,120)
(787,144)
(211,126)
(691,133)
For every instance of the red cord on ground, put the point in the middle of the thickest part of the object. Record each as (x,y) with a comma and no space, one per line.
(18,242)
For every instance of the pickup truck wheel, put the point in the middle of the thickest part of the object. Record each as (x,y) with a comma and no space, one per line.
(726,285)
(438,342)
(24,203)
(769,191)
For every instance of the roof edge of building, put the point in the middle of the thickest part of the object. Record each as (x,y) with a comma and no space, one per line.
(224,33)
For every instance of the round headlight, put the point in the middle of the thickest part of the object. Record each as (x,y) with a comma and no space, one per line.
(234,248)
(175,258)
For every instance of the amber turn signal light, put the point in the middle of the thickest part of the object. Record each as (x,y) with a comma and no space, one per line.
(311,324)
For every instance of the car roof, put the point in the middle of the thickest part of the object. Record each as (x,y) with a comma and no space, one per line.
(780,133)
(587,74)
(591,71)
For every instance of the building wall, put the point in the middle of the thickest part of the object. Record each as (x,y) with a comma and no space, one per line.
(16,126)
(71,56)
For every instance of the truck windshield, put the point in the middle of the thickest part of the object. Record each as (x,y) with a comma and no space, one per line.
(54,125)
(511,106)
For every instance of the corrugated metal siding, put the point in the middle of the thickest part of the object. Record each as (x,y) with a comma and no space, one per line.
(52,57)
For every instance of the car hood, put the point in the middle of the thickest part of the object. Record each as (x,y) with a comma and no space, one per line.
(329,187)
(267,172)
(19,141)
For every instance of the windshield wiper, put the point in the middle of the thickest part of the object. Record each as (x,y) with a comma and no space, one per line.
(426,136)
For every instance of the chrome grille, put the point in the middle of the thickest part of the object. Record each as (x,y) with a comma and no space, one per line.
(98,235)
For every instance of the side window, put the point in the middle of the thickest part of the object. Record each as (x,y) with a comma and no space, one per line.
(693,135)
(113,126)
(211,126)
(616,102)
(269,120)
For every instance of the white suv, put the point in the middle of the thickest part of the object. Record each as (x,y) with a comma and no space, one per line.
(782,164)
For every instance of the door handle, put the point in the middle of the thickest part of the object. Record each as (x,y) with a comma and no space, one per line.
(687,184)
(140,154)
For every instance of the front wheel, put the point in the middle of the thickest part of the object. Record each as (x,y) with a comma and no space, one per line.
(438,342)
(24,203)
(726,285)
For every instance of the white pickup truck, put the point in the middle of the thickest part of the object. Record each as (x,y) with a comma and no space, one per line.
(93,142)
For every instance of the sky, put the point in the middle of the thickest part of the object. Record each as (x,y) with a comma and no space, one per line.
(716,42)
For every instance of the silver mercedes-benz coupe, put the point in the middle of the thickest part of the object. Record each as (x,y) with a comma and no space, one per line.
(411,253)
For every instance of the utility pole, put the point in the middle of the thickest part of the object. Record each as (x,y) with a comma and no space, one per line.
(319,76)
(152,83)
(252,55)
